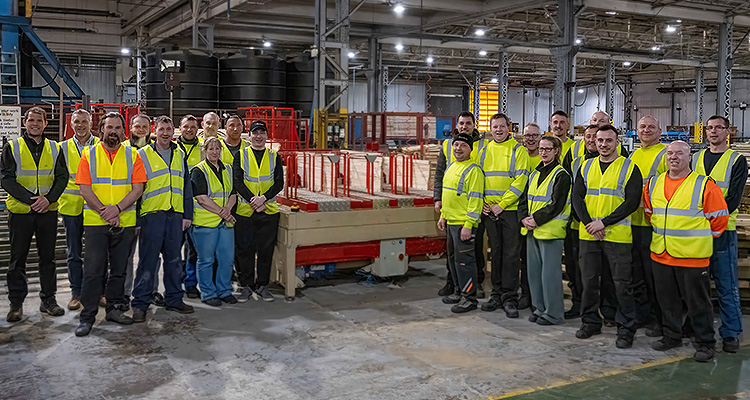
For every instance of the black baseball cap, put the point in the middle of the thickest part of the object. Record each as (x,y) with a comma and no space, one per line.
(258,125)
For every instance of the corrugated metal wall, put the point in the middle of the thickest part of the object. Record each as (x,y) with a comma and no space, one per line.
(99,83)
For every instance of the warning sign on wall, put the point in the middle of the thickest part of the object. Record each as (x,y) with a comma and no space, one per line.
(10,122)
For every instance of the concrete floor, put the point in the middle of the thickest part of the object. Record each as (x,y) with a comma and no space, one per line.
(334,342)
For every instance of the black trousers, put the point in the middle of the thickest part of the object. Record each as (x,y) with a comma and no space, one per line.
(571,265)
(597,260)
(675,285)
(479,253)
(643,280)
(253,236)
(22,228)
(505,243)
(106,255)
(462,263)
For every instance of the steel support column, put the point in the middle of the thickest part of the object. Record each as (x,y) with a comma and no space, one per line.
(332,52)
(385,89)
(629,103)
(372,73)
(477,84)
(609,89)
(724,80)
(699,89)
(565,58)
(502,83)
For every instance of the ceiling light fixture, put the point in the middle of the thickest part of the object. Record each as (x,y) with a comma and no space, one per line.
(655,48)
(399,8)
(580,91)
(266,44)
(482,53)
(494,80)
(579,41)
(611,12)
(399,46)
(351,54)
(626,63)
(429,60)
(678,21)
(671,29)
(125,51)
(479,32)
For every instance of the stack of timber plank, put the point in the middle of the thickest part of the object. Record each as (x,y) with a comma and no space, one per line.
(743,250)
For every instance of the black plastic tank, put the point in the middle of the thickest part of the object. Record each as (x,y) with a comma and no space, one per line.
(252,80)
(198,93)
(300,85)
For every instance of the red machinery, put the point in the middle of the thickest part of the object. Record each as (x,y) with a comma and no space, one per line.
(98,110)
(285,126)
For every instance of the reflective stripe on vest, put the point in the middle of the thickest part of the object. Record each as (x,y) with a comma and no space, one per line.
(604,193)
(476,149)
(721,174)
(226,155)
(218,191)
(648,160)
(71,202)
(36,178)
(500,171)
(110,182)
(679,225)
(193,152)
(165,183)
(258,179)
(539,196)
(460,189)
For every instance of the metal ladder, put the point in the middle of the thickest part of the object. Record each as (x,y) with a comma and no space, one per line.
(9,85)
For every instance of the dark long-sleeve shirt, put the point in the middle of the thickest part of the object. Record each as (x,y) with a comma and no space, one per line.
(437,189)
(15,189)
(633,191)
(560,191)
(239,176)
(736,181)
(200,184)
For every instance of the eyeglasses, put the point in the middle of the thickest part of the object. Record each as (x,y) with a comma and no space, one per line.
(537,136)
(718,128)
(541,149)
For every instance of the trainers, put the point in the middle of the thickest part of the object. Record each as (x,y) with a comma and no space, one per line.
(533,318)
(524,302)
(157,299)
(264,293)
(243,294)
(588,331)
(624,341)
(83,329)
(510,310)
(15,314)
(730,345)
(464,306)
(492,305)
(704,354)
(666,343)
(654,330)
(139,315)
(229,299)
(181,308)
(192,292)
(480,293)
(573,313)
(50,307)
(214,302)
(452,299)
(119,317)
(74,303)
(446,289)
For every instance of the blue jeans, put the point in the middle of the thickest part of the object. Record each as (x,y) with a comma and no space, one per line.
(214,244)
(161,233)
(723,269)
(74,250)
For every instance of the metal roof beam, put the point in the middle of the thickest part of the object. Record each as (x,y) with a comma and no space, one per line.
(681,12)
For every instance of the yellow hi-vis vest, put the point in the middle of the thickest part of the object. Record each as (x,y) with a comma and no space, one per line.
(226,155)
(502,163)
(463,186)
(37,179)
(71,202)
(651,161)
(679,225)
(111,182)
(539,196)
(604,193)
(257,179)
(218,191)
(567,146)
(476,149)
(193,152)
(165,184)
(721,174)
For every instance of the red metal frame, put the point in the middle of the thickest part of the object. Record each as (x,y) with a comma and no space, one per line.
(285,126)
(338,252)
(128,111)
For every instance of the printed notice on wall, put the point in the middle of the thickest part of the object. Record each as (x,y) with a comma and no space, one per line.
(10,122)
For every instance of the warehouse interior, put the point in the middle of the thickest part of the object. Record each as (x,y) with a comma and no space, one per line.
(360,94)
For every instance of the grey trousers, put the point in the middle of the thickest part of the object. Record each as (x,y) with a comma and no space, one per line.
(462,263)
(544,258)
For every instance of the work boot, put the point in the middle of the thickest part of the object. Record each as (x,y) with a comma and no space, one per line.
(229,299)
(264,293)
(181,308)
(83,329)
(464,306)
(452,299)
(492,305)
(624,340)
(654,330)
(588,331)
(15,314)
(666,343)
(49,306)
(157,299)
(543,322)
(139,315)
(704,354)
(192,292)
(574,312)
(213,302)
(74,303)
(447,289)
(243,294)
(533,318)
(119,317)
(524,302)
(510,310)
(730,345)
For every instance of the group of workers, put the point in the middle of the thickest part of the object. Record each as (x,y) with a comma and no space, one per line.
(641,234)
(215,197)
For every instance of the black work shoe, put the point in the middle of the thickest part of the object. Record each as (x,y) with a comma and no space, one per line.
(464,306)
(730,345)
(213,302)
(50,307)
(15,314)
(543,322)
(192,292)
(510,310)
(609,323)
(573,313)
(654,330)
(588,331)
(157,299)
(480,293)
(229,299)
(704,354)
(119,317)
(139,315)
(665,344)
(83,329)
(492,305)
(446,289)
(624,341)
(533,318)
(181,308)
(452,299)
(524,302)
